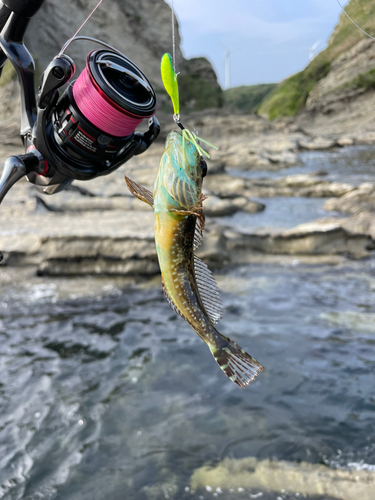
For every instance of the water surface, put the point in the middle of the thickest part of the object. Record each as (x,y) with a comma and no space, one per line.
(113,396)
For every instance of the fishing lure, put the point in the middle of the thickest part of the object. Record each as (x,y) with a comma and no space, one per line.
(169,78)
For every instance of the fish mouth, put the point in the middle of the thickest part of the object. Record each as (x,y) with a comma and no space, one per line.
(181,148)
(174,139)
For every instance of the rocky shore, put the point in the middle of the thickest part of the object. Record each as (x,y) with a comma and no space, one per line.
(98,228)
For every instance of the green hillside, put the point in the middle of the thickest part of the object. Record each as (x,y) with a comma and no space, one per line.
(291,94)
(248,98)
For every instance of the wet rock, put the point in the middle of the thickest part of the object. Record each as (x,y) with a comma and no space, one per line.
(73,202)
(345,141)
(248,206)
(303,478)
(225,186)
(302,185)
(362,223)
(305,239)
(121,242)
(214,251)
(308,185)
(355,321)
(98,266)
(284,157)
(326,189)
(317,143)
(219,207)
(358,200)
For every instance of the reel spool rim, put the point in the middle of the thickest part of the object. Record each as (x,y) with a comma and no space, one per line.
(118,101)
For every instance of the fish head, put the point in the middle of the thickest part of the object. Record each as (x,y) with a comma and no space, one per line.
(184,157)
(179,181)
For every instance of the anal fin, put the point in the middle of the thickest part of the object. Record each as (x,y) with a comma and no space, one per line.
(199,230)
(208,291)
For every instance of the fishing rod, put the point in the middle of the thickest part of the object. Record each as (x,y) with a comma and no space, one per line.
(84,131)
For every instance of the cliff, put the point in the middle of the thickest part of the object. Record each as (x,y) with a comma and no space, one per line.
(142,30)
(338,85)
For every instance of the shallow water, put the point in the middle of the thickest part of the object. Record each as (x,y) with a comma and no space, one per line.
(114,396)
(280,212)
(353,165)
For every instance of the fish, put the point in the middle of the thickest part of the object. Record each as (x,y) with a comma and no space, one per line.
(189,286)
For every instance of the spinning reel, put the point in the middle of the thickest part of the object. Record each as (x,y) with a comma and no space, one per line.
(88,130)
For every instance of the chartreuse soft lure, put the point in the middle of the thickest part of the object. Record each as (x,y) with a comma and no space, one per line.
(169,78)
(189,286)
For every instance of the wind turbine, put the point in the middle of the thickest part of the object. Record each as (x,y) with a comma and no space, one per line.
(312,50)
(227,68)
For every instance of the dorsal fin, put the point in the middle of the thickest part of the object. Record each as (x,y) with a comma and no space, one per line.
(208,291)
(140,192)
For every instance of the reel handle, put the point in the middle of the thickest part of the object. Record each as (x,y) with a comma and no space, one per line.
(16,167)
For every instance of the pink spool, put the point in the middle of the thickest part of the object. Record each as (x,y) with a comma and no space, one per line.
(98,108)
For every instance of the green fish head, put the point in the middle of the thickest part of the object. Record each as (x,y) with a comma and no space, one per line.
(185,157)
(179,181)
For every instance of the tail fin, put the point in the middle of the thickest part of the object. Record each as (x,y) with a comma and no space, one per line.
(236,363)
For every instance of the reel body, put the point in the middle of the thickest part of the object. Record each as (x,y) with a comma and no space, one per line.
(84,131)
(75,147)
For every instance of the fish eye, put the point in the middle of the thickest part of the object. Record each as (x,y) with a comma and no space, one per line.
(203,168)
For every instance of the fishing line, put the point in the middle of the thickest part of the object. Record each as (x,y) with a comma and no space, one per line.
(173,40)
(169,78)
(355,24)
(79,29)
(101,111)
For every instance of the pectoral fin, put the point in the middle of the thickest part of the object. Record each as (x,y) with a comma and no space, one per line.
(140,192)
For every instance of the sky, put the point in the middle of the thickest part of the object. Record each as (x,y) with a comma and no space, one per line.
(268,39)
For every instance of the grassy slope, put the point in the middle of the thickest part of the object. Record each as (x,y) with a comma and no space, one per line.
(248,98)
(292,93)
